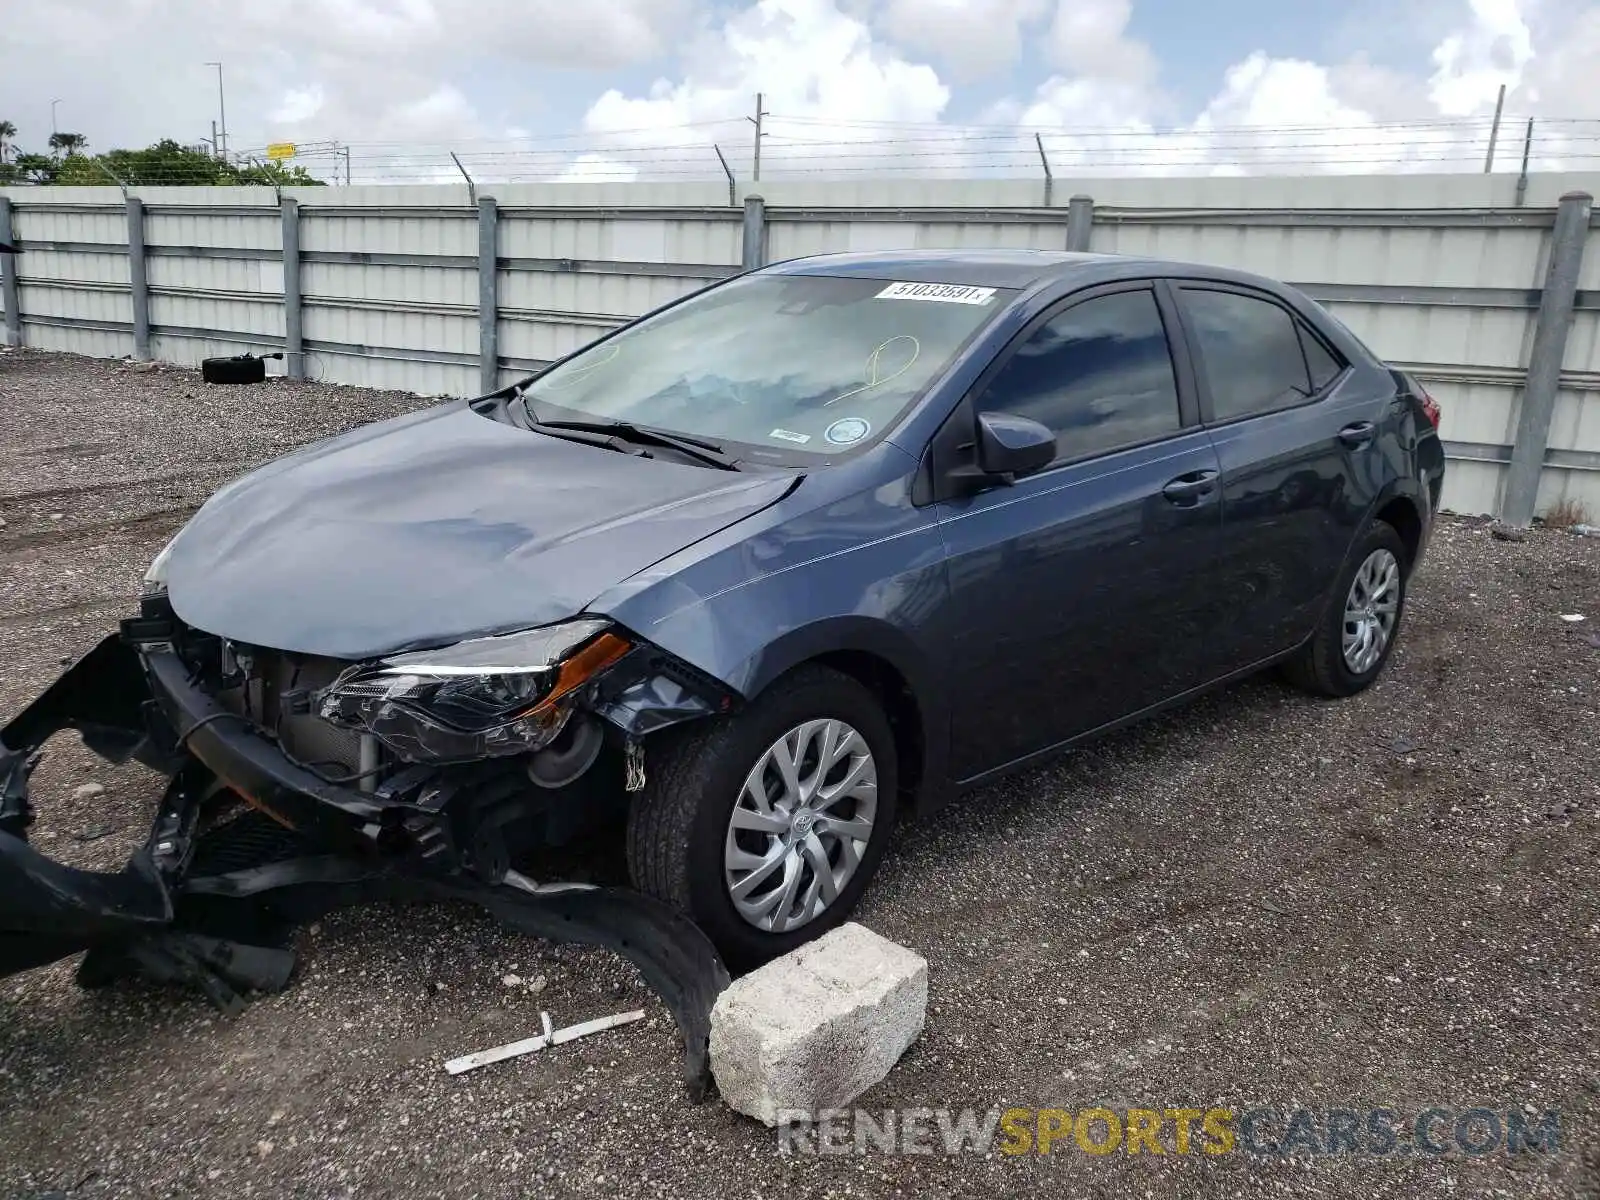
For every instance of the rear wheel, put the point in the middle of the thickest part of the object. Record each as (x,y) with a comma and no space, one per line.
(766,827)
(1358,632)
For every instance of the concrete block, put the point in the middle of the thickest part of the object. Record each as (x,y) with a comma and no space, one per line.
(816,1028)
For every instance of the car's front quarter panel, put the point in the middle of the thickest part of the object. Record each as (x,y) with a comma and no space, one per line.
(844,563)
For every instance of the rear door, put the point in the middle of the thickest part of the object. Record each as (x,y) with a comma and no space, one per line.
(1083,593)
(1297,431)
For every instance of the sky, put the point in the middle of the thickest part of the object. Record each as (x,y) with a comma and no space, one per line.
(615,88)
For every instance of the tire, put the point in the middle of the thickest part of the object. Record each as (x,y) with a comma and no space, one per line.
(1321,666)
(679,825)
(244,368)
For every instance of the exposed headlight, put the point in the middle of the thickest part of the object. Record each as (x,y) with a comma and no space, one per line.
(483,698)
(155,576)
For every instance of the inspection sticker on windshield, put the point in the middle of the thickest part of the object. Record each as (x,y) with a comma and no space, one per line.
(847,430)
(946,293)
(789,435)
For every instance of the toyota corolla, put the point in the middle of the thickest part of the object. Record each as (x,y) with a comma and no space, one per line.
(743,581)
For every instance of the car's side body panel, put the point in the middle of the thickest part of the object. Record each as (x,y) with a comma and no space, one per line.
(1294,499)
(1025,617)
(846,563)
(1298,484)
(1078,594)
(1002,614)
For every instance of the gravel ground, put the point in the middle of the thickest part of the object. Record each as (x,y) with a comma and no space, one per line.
(1261,900)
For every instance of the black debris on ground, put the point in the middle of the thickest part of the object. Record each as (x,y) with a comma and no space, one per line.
(1262,900)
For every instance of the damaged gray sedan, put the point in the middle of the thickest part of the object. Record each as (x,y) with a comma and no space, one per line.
(734,582)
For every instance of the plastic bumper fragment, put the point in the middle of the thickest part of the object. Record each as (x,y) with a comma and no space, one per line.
(211,904)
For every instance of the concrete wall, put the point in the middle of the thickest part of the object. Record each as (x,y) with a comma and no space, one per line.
(1440,274)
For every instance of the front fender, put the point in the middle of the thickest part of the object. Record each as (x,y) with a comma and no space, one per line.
(886,602)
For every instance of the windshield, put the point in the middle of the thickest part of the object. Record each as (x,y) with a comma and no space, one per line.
(778,363)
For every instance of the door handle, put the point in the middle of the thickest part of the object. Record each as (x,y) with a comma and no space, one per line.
(1191,488)
(1359,434)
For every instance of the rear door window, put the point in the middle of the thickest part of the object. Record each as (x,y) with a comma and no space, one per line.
(1099,375)
(1251,353)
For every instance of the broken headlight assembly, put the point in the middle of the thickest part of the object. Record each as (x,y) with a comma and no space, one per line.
(484,698)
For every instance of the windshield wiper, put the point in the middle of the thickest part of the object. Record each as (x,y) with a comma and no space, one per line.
(696,448)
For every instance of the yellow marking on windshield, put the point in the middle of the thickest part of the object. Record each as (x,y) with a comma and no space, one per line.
(874,361)
(579,373)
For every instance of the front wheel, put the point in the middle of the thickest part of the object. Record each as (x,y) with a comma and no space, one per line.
(766,827)
(1358,632)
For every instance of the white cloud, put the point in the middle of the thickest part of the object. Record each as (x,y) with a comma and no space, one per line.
(819,68)
(1104,110)
(1561,80)
(597,168)
(975,37)
(298,105)
(1471,63)
(1296,115)
(129,73)
(1090,39)
(407,77)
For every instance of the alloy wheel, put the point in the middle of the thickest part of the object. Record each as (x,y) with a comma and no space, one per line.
(1371,610)
(801,825)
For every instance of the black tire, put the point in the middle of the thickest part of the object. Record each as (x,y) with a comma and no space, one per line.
(245,368)
(1319,666)
(678,823)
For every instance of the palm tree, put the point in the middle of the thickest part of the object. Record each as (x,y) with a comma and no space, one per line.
(7,132)
(68,143)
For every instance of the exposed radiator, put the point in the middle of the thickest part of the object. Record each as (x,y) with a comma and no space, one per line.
(330,750)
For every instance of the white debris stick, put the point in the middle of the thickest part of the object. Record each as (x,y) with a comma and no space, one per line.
(550,1037)
(1572,618)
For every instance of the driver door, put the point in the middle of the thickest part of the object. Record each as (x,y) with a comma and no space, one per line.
(1084,593)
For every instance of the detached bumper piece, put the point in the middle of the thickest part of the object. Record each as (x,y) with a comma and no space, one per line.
(246,845)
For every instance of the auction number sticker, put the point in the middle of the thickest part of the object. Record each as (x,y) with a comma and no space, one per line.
(943,293)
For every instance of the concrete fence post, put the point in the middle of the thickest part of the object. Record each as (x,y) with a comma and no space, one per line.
(294,348)
(488,295)
(1080,222)
(755,232)
(8,277)
(138,283)
(1544,361)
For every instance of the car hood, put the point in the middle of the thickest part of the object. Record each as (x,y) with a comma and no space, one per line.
(435,527)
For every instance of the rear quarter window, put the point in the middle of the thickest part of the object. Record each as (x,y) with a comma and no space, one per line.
(1324,367)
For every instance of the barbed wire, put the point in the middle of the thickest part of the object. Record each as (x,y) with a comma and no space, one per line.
(816,147)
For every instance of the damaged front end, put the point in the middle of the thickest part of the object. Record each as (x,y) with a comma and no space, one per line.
(300,784)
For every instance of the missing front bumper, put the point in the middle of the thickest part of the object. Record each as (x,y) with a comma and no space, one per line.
(211,902)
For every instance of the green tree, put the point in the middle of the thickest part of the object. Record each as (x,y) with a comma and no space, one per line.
(8,132)
(68,143)
(34,168)
(277,174)
(164,164)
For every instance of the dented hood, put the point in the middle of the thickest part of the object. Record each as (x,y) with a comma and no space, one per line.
(434,527)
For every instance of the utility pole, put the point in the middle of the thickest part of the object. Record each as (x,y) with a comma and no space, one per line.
(347,166)
(214,152)
(1494,130)
(755,171)
(222,108)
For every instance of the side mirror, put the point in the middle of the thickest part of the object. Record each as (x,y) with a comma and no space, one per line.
(1013,446)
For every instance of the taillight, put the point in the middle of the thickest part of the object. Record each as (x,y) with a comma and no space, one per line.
(1431,407)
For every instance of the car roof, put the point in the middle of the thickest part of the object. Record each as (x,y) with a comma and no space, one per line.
(1004,268)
